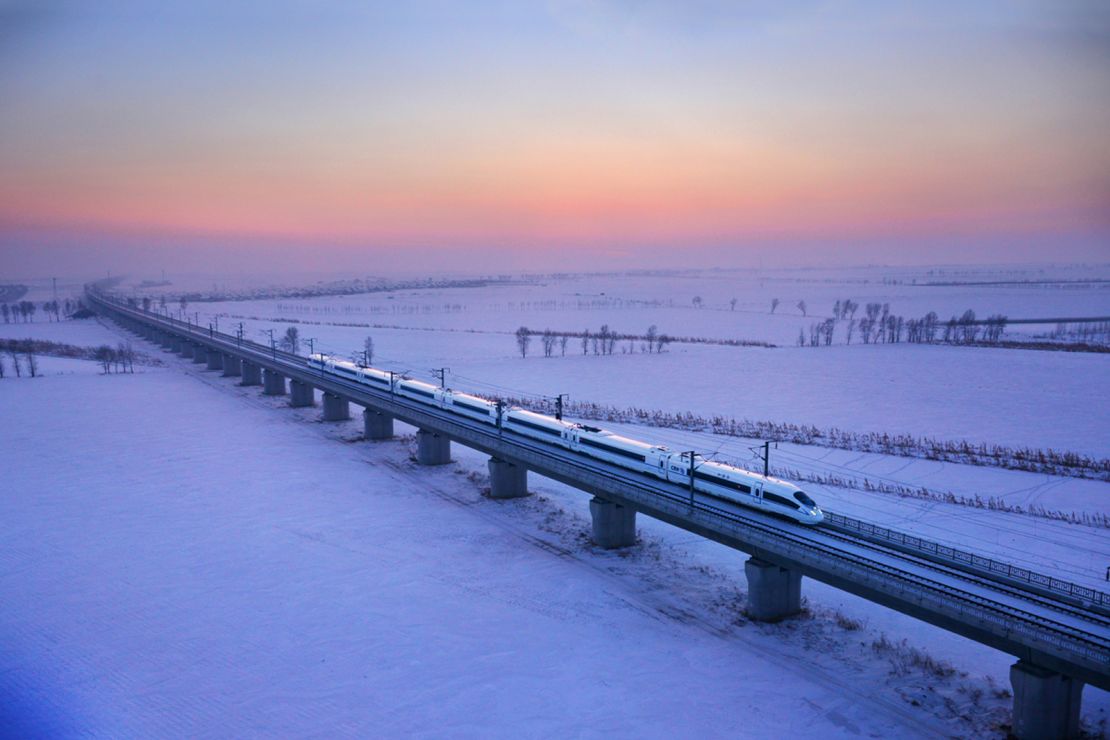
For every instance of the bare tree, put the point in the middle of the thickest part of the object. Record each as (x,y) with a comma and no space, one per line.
(774,304)
(31,358)
(851,328)
(523,339)
(586,342)
(662,342)
(802,307)
(184,303)
(7,313)
(969,330)
(368,351)
(548,341)
(697,301)
(125,357)
(291,342)
(13,352)
(1,366)
(563,344)
(732,305)
(801,337)
(651,336)
(104,355)
(146,304)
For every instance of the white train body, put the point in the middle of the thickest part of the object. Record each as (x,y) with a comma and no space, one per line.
(715,479)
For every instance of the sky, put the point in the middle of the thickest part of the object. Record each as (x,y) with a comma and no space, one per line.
(400,138)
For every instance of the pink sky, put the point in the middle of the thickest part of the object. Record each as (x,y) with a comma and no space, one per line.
(567,131)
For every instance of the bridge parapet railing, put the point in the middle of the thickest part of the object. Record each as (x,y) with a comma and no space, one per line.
(962,557)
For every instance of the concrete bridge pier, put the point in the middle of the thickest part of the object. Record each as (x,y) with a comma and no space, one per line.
(175,344)
(614,525)
(167,342)
(215,360)
(507,480)
(336,408)
(432,449)
(200,353)
(774,592)
(301,394)
(376,425)
(252,374)
(1046,703)
(273,383)
(232,366)
(186,349)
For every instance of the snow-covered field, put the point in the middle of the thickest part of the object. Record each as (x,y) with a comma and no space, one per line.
(249,575)
(1017,398)
(184,556)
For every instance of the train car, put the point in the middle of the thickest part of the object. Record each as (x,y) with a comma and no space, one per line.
(346,369)
(470,406)
(418,390)
(743,487)
(537,426)
(624,451)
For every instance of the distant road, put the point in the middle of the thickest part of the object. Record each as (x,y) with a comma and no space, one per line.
(1063,320)
(1022,283)
(12,293)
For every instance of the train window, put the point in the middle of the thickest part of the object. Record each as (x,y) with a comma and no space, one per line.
(780,500)
(806,500)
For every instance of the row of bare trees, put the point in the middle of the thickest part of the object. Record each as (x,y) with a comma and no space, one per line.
(24,311)
(602,342)
(120,359)
(22,355)
(879,325)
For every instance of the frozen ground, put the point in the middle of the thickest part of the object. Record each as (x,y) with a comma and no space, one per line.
(185,557)
(1011,397)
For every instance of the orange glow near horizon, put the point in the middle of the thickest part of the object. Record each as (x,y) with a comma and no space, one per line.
(528,129)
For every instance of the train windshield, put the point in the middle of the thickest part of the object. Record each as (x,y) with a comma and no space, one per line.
(805,500)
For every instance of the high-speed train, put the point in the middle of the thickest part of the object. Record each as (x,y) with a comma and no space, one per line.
(715,479)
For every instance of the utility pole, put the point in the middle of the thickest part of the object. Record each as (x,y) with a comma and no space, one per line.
(311,346)
(273,347)
(442,375)
(500,408)
(239,335)
(559,405)
(392,378)
(766,455)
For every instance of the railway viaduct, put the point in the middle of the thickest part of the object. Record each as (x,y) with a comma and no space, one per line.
(1059,632)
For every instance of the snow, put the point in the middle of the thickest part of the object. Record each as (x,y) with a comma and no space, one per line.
(79,332)
(182,556)
(1000,396)
(250,578)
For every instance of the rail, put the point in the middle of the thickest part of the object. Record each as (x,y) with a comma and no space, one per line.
(970,560)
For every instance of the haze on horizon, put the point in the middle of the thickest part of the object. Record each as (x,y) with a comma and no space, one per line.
(392,138)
